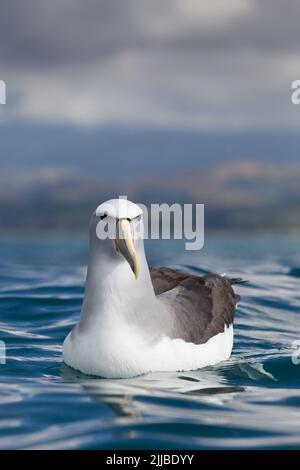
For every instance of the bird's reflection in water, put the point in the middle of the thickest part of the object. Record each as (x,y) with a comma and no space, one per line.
(141,395)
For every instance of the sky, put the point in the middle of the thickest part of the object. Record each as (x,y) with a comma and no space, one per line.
(108,94)
(205,65)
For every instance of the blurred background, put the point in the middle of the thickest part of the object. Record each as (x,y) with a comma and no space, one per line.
(173,101)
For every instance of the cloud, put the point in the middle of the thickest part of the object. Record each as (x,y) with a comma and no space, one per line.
(205,65)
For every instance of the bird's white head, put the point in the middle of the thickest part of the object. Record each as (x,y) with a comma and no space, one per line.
(116,230)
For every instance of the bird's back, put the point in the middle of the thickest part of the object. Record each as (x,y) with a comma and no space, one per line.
(202,306)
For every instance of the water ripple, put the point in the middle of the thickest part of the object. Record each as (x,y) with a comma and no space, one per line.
(250,401)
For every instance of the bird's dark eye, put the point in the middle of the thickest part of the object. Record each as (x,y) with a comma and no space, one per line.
(103,216)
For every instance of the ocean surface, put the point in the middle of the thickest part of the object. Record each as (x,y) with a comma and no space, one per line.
(251,401)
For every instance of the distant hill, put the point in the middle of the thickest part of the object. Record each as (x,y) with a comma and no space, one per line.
(119,153)
(247,196)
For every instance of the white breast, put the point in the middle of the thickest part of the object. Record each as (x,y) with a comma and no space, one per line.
(124,353)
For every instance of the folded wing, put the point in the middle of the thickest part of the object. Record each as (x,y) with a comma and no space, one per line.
(201,305)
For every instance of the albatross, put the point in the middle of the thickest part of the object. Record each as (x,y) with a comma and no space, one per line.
(135,319)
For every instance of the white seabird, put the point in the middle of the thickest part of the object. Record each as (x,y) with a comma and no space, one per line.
(134,319)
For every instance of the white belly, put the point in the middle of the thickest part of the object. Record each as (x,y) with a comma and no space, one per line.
(125,354)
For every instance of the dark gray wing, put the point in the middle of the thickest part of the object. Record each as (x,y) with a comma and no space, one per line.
(202,305)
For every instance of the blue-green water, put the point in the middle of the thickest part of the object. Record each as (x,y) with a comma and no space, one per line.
(250,401)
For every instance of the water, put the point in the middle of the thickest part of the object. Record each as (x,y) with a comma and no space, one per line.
(250,401)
